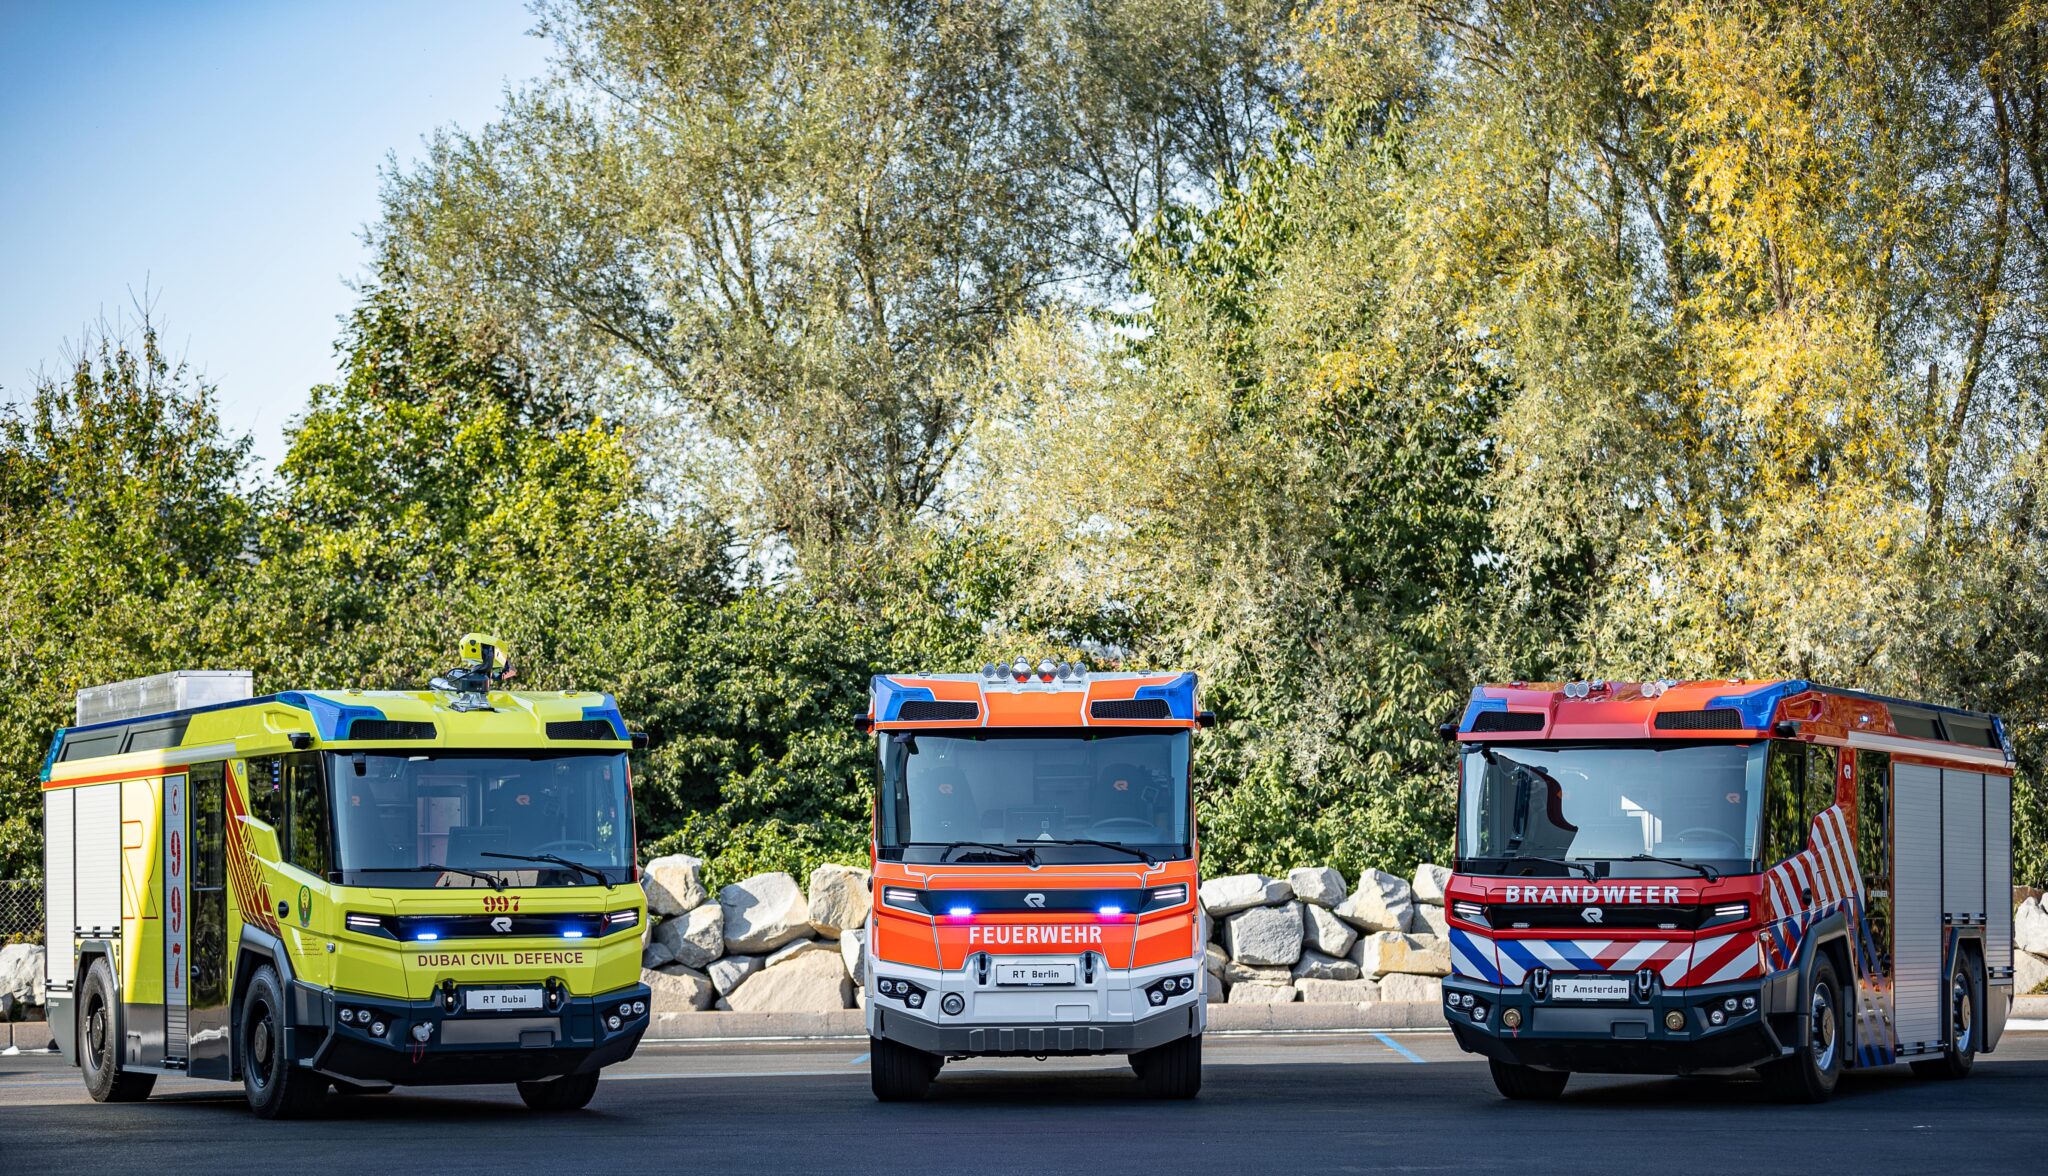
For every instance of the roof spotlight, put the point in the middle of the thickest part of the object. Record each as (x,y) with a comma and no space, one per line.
(1020,669)
(1046,669)
(991,670)
(1066,670)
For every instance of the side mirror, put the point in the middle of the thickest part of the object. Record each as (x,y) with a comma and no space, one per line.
(299,740)
(864,723)
(1447,731)
(1207,719)
(639,740)
(1786,729)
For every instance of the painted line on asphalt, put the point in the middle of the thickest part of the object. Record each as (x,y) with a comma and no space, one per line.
(857,1061)
(1403,1050)
(2028,1025)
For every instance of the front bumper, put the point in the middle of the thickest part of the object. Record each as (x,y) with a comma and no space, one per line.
(1621,1037)
(465,1047)
(1109,1011)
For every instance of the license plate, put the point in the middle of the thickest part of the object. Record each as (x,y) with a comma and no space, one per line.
(1589,987)
(493,1000)
(1034,974)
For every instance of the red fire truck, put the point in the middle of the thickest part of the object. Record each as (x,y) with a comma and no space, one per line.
(1709,877)
(1034,873)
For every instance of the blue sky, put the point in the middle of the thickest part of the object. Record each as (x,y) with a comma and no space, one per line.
(226,154)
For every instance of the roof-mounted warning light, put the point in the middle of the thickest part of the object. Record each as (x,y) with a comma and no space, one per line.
(485,663)
(1584,689)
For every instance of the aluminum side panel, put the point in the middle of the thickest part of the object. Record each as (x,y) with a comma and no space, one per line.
(1916,905)
(1962,846)
(60,898)
(1998,873)
(98,841)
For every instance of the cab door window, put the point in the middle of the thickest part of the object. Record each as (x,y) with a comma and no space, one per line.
(1785,802)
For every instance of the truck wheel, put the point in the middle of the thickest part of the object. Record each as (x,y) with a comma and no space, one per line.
(571,1092)
(277,1087)
(1810,1074)
(99,1054)
(1173,1070)
(1527,1082)
(1966,1002)
(899,1073)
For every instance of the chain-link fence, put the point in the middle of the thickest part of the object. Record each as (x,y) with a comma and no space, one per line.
(21,911)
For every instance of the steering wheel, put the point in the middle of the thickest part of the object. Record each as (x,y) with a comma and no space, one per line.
(1708,834)
(552,846)
(1121,824)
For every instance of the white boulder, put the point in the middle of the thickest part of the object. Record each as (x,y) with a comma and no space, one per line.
(1387,953)
(678,989)
(1314,965)
(1214,991)
(1337,991)
(1237,892)
(2030,927)
(763,913)
(1429,920)
(655,954)
(1381,902)
(853,954)
(673,884)
(1325,932)
(695,937)
(21,973)
(814,982)
(839,899)
(1263,994)
(727,972)
(2029,971)
(1319,885)
(1429,884)
(798,949)
(1236,973)
(1264,936)
(1214,958)
(1412,988)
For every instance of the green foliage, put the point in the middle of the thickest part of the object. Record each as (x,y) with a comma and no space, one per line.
(1348,353)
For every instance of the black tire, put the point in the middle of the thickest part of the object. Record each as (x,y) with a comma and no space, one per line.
(277,1088)
(1965,1023)
(899,1073)
(1810,1074)
(99,1047)
(1527,1083)
(571,1092)
(1173,1070)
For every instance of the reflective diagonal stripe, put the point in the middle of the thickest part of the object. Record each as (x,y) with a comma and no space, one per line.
(1472,957)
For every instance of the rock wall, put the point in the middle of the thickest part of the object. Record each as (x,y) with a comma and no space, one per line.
(1310,937)
(762,945)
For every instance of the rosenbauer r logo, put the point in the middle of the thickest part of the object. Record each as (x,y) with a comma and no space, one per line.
(1592,914)
(1034,900)
(502,924)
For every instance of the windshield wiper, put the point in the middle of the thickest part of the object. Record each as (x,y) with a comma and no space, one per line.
(1024,854)
(1129,849)
(496,882)
(1581,867)
(1705,871)
(554,860)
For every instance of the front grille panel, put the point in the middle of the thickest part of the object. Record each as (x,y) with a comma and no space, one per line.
(920,710)
(390,729)
(1561,915)
(584,729)
(1508,721)
(1130,708)
(1720,718)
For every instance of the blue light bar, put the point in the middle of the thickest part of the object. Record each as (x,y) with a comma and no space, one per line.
(1109,909)
(428,935)
(572,934)
(960,912)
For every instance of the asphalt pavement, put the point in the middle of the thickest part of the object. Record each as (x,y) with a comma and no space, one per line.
(1335,1102)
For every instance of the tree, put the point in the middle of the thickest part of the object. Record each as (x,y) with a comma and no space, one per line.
(123,521)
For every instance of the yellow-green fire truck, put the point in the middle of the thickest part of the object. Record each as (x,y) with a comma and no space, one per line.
(343,889)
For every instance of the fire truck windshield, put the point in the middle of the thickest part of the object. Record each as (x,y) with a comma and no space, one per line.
(395,816)
(1041,790)
(1531,810)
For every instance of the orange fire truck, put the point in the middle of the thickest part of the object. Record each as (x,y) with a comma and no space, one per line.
(1709,877)
(1034,873)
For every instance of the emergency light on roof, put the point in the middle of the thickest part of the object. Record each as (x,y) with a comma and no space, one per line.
(1047,670)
